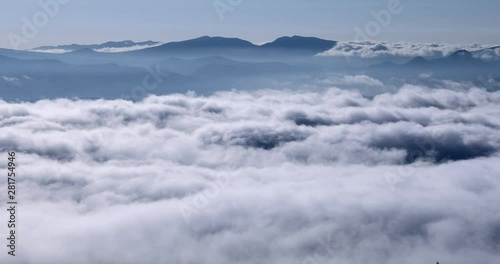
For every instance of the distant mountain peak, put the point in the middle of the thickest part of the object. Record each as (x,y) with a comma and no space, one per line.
(462,54)
(417,61)
(209,42)
(300,42)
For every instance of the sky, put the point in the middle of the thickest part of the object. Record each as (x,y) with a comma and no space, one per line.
(97,21)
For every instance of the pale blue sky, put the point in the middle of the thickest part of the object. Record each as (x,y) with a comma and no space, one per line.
(95,21)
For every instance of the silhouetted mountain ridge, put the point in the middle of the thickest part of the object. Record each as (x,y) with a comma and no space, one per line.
(298,42)
(206,42)
(235,47)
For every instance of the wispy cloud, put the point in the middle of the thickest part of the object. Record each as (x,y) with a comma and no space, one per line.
(54,51)
(104,50)
(131,48)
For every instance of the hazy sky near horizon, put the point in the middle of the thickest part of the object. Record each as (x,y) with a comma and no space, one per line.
(97,21)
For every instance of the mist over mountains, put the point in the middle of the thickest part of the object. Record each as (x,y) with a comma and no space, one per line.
(111,46)
(132,70)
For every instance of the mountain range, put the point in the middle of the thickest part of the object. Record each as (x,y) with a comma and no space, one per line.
(297,43)
(209,64)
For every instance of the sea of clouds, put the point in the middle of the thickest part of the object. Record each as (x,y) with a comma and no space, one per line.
(374,49)
(258,177)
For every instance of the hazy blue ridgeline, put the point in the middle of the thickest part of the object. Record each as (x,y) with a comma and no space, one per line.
(209,64)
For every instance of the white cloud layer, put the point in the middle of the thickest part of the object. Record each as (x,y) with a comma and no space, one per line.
(104,50)
(370,49)
(124,49)
(54,51)
(264,177)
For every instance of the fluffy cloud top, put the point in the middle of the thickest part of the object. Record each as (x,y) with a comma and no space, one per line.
(262,177)
(370,49)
